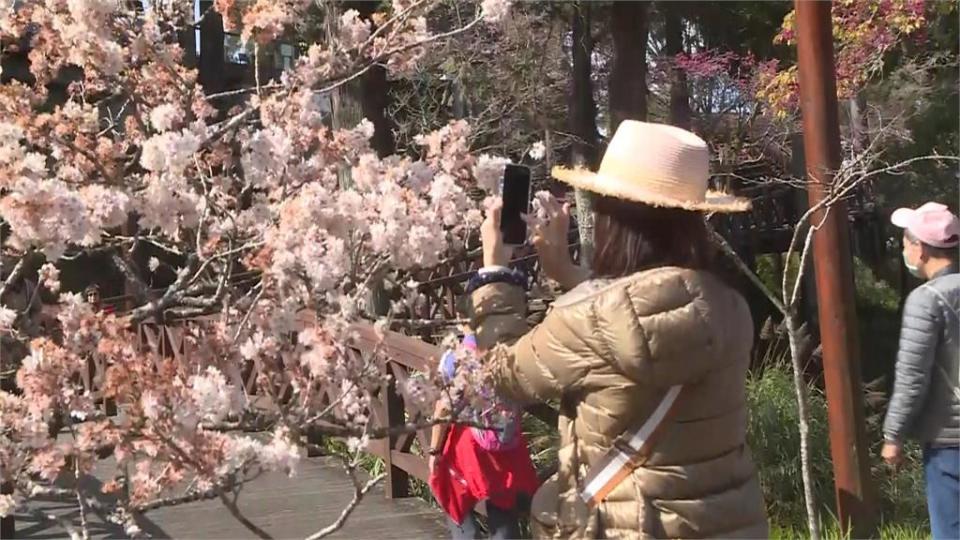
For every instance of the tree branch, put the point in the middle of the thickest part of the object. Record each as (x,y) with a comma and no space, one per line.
(358,494)
(169,298)
(140,288)
(728,250)
(14,276)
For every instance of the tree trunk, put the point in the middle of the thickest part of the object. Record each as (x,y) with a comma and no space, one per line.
(344,107)
(374,93)
(583,109)
(869,230)
(211,64)
(628,75)
(858,124)
(680,115)
(797,358)
(368,98)
(583,121)
(585,225)
(801,346)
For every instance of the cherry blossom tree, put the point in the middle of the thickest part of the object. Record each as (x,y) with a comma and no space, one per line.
(139,153)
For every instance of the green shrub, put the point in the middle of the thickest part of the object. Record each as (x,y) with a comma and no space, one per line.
(774,438)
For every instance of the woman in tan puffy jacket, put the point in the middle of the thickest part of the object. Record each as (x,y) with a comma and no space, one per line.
(647,359)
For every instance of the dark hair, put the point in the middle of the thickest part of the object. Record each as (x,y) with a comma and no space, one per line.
(630,237)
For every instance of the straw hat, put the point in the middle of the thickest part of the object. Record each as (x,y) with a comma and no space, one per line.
(656,164)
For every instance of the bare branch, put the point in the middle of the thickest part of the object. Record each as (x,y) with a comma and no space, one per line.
(246,317)
(188,497)
(169,298)
(742,266)
(803,261)
(82,507)
(14,275)
(342,431)
(130,275)
(803,410)
(226,126)
(341,79)
(358,494)
(265,87)
(845,182)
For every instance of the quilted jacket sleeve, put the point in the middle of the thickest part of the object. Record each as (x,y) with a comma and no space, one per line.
(499,314)
(921,329)
(529,366)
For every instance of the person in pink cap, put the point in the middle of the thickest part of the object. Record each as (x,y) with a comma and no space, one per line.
(925,405)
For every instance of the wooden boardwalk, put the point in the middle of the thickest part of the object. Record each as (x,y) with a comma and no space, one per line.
(283,507)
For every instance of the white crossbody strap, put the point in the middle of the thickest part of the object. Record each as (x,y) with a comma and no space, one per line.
(628,452)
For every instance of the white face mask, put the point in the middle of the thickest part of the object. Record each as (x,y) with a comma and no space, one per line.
(914,270)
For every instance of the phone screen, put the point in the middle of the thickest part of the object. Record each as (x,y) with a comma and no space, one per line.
(516,201)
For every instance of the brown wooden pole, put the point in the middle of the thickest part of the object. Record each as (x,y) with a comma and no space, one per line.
(397,480)
(833,269)
(8,526)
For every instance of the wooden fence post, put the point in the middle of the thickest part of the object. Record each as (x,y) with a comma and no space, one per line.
(397,480)
(7,524)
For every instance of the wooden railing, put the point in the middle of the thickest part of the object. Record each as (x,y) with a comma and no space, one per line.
(390,407)
(404,356)
(401,357)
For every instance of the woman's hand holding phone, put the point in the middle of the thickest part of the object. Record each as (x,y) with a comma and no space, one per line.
(495,252)
(549,236)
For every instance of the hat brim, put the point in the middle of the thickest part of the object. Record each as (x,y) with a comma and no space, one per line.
(714,201)
(903,217)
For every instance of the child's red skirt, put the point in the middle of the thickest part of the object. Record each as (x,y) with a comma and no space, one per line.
(466,473)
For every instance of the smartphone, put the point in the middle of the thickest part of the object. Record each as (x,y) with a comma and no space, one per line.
(516,202)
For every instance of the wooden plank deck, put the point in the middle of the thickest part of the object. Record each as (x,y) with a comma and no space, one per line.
(284,507)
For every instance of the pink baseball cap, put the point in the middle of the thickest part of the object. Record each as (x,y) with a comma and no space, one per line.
(933,224)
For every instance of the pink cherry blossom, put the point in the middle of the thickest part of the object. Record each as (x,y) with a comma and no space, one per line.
(354,31)
(489,172)
(280,454)
(7,505)
(166,116)
(537,150)
(7,318)
(170,151)
(214,398)
(495,10)
(49,277)
(279,223)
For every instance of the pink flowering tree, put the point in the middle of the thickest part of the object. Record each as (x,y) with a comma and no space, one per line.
(722,84)
(265,187)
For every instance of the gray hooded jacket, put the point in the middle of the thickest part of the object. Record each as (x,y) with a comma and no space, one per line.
(925,405)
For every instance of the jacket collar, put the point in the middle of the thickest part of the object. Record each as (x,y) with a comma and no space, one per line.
(952,269)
